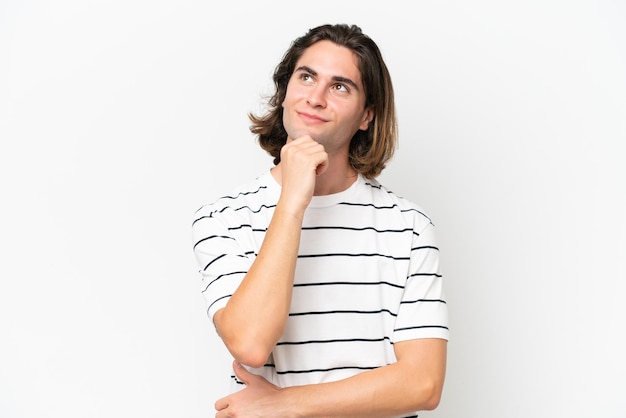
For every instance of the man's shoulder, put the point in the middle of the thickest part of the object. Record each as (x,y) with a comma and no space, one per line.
(253,192)
(383,196)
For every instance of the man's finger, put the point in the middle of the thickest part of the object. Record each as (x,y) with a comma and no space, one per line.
(241,372)
(221,404)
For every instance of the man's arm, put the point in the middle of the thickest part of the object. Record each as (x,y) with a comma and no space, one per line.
(254,318)
(413,383)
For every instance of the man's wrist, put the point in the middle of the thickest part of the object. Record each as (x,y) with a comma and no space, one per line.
(295,403)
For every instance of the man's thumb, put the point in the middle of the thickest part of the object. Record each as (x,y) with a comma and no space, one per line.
(241,372)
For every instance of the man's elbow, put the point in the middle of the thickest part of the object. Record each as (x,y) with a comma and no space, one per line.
(252,355)
(255,360)
(429,395)
(247,348)
(431,403)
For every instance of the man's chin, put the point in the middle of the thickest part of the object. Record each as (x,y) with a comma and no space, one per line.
(303,133)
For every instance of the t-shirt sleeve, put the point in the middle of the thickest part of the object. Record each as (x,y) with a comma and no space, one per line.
(221,260)
(423,310)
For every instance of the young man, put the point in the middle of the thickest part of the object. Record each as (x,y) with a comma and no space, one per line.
(325,286)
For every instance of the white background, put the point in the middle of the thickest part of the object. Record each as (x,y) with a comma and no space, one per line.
(118,119)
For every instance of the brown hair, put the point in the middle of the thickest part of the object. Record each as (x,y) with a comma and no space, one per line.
(369,150)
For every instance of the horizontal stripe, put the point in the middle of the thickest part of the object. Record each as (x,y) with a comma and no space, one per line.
(200,218)
(345,340)
(348,284)
(421,327)
(221,276)
(424,275)
(425,247)
(213,261)
(352,255)
(347,228)
(343,312)
(330,369)
(246,193)
(217,300)
(212,237)
(222,256)
(423,300)
(394,206)
(253,210)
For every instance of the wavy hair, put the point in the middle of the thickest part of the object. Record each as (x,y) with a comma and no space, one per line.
(370,150)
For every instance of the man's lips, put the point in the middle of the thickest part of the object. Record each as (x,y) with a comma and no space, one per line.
(307,117)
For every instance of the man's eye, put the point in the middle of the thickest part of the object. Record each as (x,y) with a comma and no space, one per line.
(340,87)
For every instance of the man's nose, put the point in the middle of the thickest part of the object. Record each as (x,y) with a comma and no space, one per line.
(317,96)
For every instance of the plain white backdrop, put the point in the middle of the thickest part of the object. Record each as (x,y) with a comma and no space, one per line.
(118,119)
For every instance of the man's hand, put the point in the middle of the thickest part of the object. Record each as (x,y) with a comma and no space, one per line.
(258,399)
(301,161)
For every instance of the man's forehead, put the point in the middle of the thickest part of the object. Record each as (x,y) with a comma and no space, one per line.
(325,58)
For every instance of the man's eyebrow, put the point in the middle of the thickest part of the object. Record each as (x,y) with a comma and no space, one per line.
(335,78)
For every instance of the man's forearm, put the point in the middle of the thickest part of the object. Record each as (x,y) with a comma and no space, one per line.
(413,383)
(255,316)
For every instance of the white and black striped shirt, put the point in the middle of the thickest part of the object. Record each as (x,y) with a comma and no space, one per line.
(367,276)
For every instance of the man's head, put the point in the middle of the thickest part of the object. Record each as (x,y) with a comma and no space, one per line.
(370,149)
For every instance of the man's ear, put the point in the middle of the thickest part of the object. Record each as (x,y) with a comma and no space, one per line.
(368,116)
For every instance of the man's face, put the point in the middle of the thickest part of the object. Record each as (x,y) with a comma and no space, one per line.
(325,98)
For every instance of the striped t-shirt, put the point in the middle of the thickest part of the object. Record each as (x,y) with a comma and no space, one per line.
(367,276)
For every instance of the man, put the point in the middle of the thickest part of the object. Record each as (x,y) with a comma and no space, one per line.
(325,286)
